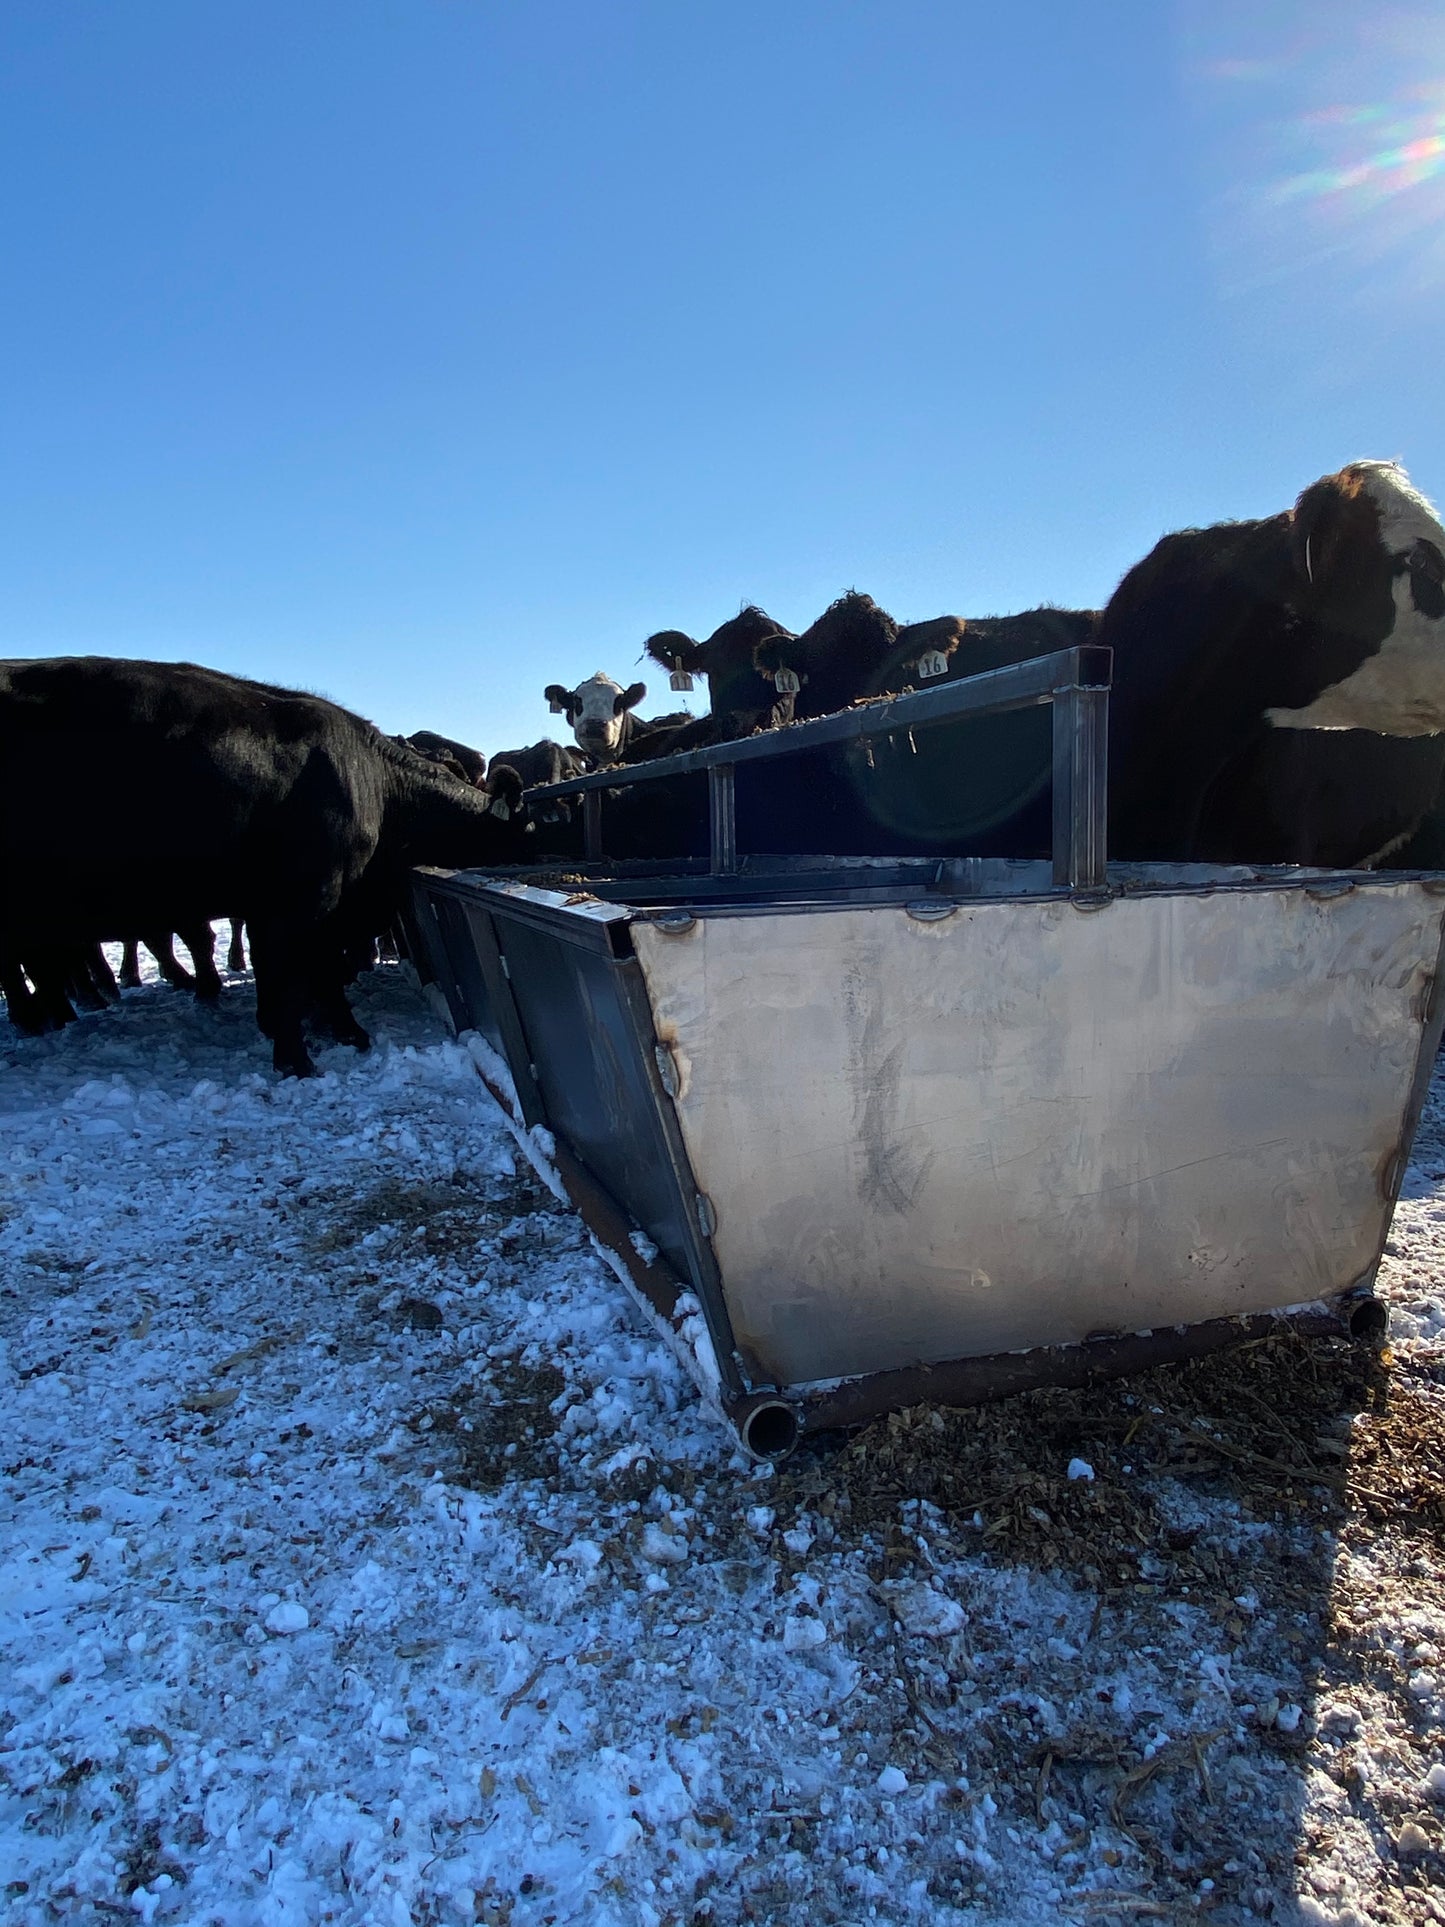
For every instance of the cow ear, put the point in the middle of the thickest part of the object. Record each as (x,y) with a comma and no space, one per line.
(673,650)
(771,655)
(559,700)
(629,698)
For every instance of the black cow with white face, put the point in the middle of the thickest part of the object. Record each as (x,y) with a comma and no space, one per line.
(1279,685)
(600,713)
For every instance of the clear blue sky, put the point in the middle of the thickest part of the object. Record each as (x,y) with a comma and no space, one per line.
(426,351)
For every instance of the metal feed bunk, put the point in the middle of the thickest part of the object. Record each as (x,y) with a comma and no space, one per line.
(939,1127)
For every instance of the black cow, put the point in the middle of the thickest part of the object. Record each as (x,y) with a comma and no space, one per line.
(834,659)
(1278,684)
(461,760)
(741,696)
(555,825)
(235,796)
(539,763)
(954,785)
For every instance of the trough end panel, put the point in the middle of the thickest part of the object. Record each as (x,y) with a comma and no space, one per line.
(1035,1123)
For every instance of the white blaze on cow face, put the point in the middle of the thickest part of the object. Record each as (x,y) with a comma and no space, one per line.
(1400,689)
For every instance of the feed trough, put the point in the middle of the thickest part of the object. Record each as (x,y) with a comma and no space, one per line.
(863,1131)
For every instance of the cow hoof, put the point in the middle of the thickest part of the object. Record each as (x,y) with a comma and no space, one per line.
(351,1034)
(293,1064)
(208,993)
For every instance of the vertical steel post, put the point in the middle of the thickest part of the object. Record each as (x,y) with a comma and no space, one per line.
(592,825)
(1081,787)
(722,820)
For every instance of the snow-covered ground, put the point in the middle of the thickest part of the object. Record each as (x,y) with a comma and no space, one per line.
(364,1559)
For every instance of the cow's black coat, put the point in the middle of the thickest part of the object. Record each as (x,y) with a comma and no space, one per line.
(220,796)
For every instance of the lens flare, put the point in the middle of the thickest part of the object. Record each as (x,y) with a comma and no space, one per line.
(1381,149)
(1323,139)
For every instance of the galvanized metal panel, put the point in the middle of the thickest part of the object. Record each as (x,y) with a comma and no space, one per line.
(584,1029)
(1032,1122)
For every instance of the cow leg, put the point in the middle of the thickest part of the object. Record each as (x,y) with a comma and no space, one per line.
(236,955)
(130,965)
(80,985)
(279,960)
(101,974)
(162,948)
(359,955)
(200,940)
(20,1000)
(332,1013)
(337,960)
(49,973)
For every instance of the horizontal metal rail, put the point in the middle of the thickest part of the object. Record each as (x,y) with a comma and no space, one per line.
(1075,681)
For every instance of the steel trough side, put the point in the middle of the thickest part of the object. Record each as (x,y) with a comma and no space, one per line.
(948,1145)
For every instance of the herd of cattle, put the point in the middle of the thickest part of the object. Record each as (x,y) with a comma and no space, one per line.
(1278,697)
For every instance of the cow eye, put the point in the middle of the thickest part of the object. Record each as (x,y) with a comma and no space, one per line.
(1426,560)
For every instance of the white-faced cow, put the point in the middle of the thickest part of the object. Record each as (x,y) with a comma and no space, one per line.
(1279,685)
(598,712)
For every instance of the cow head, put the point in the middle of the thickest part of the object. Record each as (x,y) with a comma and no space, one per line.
(736,684)
(1368,558)
(834,661)
(596,709)
(503,789)
(925,650)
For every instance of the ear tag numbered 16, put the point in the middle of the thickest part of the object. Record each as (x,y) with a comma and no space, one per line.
(785,681)
(931,663)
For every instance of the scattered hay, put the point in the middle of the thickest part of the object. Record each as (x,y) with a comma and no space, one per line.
(1397,1455)
(502,1426)
(438,1218)
(1214,1423)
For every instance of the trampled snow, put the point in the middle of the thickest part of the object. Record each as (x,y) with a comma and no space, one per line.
(364,1557)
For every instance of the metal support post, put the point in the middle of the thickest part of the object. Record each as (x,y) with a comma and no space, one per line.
(1081,787)
(722,820)
(592,825)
